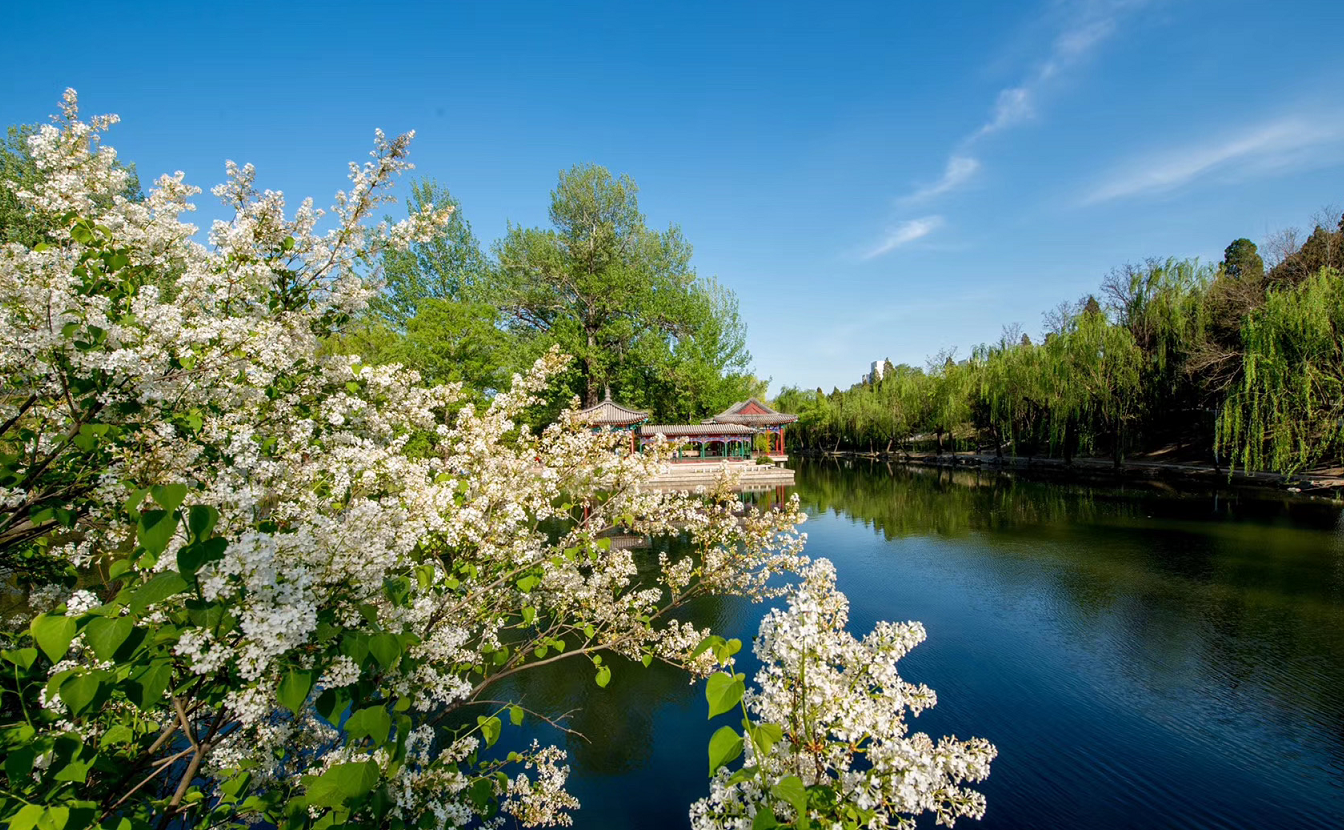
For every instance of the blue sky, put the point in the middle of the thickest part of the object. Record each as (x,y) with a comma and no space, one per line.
(873,179)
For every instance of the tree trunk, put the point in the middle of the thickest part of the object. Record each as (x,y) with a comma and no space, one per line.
(1118,448)
(589,387)
(1068,438)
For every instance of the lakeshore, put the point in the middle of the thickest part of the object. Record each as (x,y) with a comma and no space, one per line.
(1329,484)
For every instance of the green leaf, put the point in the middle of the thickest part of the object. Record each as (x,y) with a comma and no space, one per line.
(55,818)
(169,496)
(603,676)
(723,692)
(712,641)
(106,634)
(482,794)
(53,635)
(162,586)
(386,649)
(136,497)
(149,684)
(373,722)
(119,734)
(201,520)
(22,657)
(490,728)
(515,716)
(527,583)
(725,650)
(647,660)
(765,819)
(80,691)
(75,771)
(724,747)
(355,645)
(26,819)
(191,557)
(342,783)
(155,530)
(791,791)
(294,688)
(397,590)
(765,736)
(19,765)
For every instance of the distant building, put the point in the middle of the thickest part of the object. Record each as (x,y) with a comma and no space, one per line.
(878,370)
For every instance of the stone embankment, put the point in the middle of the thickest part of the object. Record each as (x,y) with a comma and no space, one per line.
(1105,470)
(687,475)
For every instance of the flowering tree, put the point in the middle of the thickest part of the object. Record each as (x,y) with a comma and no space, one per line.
(300,578)
(824,732)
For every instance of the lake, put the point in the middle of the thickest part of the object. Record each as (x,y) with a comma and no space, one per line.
(1142,657)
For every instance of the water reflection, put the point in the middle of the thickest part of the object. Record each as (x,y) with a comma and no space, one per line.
(1202,627)
(1143,657)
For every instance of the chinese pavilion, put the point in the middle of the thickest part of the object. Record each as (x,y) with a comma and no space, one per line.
(610,415)
(728,435)
(755,414)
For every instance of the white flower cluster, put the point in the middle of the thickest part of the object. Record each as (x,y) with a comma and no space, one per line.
(206,368)
(841,707)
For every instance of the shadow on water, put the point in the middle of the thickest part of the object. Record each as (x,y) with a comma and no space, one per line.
(1142,657)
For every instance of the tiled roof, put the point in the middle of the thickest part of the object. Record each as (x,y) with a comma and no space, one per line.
(695,429)
(754,413)
(610,413)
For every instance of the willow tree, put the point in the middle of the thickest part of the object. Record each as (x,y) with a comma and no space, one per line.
(1288,413)
(949,397)
(1088,378)
(1105,367)
(1007,394)
(903,397)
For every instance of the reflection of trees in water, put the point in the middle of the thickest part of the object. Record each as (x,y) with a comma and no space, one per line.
(908,501)
(1238,596)
(618,720)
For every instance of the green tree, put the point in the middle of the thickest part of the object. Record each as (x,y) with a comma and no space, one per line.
(1288,412)
(1241,260)
(619,297)
(451,266)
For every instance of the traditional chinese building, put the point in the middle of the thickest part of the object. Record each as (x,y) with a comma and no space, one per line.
(730,435)
(610,415)
(753,413)
(702,441)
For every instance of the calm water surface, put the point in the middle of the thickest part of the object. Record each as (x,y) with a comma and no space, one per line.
(1141,657)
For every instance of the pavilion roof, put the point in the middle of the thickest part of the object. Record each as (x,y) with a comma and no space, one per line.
(695,429)
(752,412)
(608,413)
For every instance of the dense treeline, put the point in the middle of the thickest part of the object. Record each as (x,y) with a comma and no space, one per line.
(621,298)
(1239,364)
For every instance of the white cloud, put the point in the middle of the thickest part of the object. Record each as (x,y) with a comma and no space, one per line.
(905,233)
(1013,107)
(960,169)
(1017,104)
(1289,143)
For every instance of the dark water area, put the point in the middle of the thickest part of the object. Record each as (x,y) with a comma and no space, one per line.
(1141,657)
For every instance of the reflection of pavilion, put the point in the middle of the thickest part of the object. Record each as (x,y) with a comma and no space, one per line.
(730,435)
